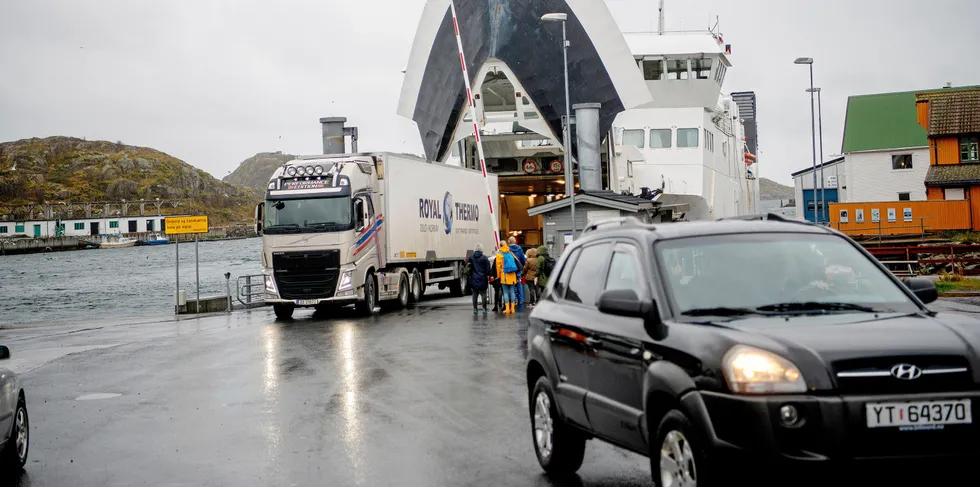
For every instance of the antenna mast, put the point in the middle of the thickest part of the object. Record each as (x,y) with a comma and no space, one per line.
(660,22)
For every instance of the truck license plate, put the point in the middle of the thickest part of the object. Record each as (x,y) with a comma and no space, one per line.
(918,415)
(307,302)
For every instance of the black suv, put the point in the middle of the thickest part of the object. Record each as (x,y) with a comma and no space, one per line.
(705,345)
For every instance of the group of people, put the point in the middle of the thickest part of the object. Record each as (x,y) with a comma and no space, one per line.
(517,279)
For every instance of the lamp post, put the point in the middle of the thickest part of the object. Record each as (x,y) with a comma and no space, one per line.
(813,134)
(569,174)
(823,199)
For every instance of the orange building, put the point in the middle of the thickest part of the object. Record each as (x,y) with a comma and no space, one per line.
(952,119)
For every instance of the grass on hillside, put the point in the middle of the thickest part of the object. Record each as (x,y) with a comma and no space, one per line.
(955,282)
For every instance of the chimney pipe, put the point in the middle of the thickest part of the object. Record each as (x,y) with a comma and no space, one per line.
(332,130)
(587,133)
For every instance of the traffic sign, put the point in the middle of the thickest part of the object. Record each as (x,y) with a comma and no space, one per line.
(185,225)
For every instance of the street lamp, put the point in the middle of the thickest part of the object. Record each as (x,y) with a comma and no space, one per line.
(823,199)
(569,174)
(813,129)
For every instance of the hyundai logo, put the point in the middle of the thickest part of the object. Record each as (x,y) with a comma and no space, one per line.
(906,372)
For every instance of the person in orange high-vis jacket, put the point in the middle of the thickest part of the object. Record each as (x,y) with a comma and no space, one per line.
(507,268)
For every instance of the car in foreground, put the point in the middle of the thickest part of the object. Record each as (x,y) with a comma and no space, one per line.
(722,348)
(14,422)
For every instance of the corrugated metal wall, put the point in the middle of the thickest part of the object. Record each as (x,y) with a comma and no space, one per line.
(931,216)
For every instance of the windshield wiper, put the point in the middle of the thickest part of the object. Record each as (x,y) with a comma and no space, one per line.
(720,311)
(815,306)
(323,226)
(284,228)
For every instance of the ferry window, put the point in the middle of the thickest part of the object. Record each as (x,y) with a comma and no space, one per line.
(677,69)
(113,224)
(660,138)
(720,73)
(902,161)
(904,196)
(149,225)
(724,148)
(709,141)
(19,228)
(633,137)
(970,149)
(653,69)
(687,137)
(79,226)
(132,226)
(3,229)
(701,68)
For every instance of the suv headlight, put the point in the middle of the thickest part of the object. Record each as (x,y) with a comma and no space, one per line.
(750,370)
(346,280)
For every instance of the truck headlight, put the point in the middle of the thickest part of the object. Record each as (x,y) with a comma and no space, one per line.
(270,285)
(346,280)
(750,370)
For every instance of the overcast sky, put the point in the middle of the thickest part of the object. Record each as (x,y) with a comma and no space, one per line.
(214,82)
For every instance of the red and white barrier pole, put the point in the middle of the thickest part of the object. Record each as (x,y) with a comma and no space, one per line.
(476,128)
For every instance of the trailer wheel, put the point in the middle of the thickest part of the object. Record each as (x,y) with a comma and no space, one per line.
(457,285)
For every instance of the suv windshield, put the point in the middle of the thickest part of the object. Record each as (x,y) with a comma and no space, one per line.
(775,273)
(308,215)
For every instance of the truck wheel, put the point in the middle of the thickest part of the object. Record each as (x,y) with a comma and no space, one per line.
(456,287)
(403,291)
(418,287)
(369,303)
(283,311)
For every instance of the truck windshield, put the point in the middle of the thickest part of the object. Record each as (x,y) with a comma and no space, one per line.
(308,215)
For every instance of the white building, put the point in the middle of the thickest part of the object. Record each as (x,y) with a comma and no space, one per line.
(84,227)
(834,189)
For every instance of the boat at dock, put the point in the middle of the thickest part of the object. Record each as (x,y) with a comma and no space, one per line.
(156,239)
(110,242)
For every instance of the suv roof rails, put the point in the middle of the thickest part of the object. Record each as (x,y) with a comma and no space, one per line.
(765,216)
(621,221)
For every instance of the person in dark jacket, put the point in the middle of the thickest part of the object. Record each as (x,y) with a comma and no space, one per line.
(521,262)
(479,277)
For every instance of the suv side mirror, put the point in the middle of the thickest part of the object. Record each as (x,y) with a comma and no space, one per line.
(4,352)
(923,288)
(626,303)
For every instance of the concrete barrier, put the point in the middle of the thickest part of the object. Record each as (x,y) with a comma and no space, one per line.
(209,304)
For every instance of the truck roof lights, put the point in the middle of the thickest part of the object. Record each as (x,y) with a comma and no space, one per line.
(300,170)
(309,170)
(290,171)
(318,170)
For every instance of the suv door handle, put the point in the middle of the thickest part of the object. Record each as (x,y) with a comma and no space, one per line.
(593,342)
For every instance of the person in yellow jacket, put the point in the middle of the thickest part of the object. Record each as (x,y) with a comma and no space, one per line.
(507,268)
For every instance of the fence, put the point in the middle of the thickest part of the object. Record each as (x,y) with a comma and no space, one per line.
(900,217)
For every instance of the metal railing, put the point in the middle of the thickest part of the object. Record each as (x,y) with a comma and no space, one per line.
(248,296)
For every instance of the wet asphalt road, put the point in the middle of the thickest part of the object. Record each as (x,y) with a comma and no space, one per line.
(428,396)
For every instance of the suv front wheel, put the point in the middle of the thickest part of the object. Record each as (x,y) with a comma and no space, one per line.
(559,447)
(676,457)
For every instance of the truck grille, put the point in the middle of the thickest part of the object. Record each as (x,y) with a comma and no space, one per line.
(873,375)
(306,275)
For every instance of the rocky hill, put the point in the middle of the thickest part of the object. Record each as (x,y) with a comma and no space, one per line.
(76,170)
(254,172)
(771,190)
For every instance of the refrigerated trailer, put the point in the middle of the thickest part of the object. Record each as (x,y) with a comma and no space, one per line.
(368,228)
